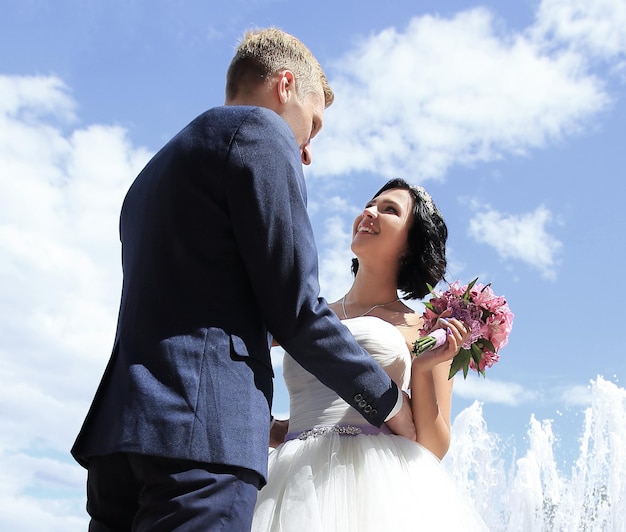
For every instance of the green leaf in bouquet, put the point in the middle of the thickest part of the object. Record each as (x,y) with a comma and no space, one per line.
(469,289)
(477,355)
(461,360)
(487,344)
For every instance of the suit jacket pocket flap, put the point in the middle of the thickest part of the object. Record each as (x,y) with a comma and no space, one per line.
(240,349)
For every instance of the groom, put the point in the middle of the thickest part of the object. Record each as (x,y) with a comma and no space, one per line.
(218,257)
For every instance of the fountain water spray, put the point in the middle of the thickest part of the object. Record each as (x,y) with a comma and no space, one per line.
(532,494)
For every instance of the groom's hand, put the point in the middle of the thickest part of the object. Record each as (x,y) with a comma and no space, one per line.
(402,423)
(278,432)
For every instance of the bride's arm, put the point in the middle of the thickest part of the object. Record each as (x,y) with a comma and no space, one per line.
(431,395)
(431,392)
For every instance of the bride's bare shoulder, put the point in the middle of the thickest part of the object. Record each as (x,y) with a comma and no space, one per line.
(410,324)
(407,318)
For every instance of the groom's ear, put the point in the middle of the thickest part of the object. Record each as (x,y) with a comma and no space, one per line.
(285,86)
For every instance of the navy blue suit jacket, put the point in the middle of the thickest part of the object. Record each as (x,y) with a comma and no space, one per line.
(218,255)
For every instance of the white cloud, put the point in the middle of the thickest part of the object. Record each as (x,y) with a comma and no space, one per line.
(492,391)
(335,255)
(596,27)
(451,91)
(522,237)
(31,97)
(576,396)
(60,194)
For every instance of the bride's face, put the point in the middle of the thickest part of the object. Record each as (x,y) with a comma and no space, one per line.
(381,230)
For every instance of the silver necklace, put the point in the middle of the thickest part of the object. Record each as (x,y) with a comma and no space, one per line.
(345,314)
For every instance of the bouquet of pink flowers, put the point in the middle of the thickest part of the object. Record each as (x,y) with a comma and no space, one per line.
(486,315)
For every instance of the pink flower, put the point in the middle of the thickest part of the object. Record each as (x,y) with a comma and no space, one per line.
(499,327)
(455,289)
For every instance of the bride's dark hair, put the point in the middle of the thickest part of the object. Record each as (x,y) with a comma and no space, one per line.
(425,259)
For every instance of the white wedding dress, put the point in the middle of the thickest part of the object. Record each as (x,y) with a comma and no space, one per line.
(333,475)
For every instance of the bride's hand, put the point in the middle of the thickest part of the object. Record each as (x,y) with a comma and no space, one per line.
(457,333)
(402,423)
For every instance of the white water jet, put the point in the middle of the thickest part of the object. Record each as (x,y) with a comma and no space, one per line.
(533,494)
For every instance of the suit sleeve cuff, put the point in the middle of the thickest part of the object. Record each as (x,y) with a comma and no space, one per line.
(397,407)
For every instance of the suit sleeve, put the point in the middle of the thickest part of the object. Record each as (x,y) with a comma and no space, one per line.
(267,201)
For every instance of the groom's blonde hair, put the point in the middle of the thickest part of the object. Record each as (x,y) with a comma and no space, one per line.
(265,52)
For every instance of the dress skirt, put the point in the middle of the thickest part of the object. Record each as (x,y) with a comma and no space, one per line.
(332,482)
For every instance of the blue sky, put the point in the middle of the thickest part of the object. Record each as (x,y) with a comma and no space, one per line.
(512,116)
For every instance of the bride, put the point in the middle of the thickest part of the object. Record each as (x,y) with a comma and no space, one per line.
(332,473)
